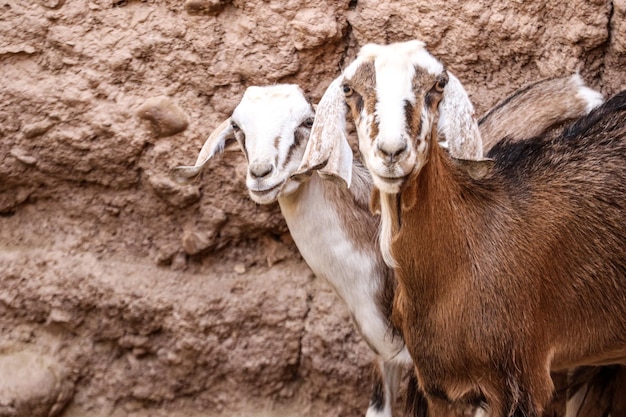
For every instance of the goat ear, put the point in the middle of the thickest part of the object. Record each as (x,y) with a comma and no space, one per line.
(328,150)
(214,144)
(475,169)
(457,123)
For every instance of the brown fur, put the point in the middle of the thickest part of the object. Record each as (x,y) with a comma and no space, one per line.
(602,390)
(504,278)
(536,102)
(365,75)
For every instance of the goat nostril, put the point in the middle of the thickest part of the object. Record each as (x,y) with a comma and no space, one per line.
(260,170)
(392,152)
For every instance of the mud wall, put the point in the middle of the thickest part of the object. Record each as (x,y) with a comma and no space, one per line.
(122,293)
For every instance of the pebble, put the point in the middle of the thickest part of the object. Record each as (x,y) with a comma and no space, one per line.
(32,385)
(165,117)
(23,157)
(201,7)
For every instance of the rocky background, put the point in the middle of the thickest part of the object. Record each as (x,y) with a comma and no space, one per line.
(124,294)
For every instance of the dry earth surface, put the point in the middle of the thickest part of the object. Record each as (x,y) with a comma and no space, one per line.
(125,294)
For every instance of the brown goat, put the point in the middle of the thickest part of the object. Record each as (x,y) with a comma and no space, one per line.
(506,269)
(538,276)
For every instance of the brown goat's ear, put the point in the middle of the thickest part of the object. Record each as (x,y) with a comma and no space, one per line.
(475,169)
(456,122)
(375,201)
(328,150)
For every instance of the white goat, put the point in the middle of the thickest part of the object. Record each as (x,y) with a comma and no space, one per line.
(331,225)
(505,269)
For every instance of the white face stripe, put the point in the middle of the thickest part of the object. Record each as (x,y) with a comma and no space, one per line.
(395,68)
(393,89)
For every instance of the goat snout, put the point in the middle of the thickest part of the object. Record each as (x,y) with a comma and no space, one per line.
(260,169)
(391,152)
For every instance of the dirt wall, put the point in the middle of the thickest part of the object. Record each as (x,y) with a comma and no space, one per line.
(122,293)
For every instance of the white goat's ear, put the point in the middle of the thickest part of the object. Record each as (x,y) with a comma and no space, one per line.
(328,150)
(215,143)
(457,123)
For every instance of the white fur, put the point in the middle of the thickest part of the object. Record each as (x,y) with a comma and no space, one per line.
(319,235)
(592,97)
(386,230)
(256,116)
(457,123)
(393,88)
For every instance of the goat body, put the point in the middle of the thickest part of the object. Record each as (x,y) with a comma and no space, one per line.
(502,275)
(544,104)
(330,224)
(524,270)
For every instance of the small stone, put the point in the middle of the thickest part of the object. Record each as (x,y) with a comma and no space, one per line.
(165,117)
(177,195)
(32,385)
(139,352)
(195,242)
(36,129)
(179,262)
(8,201)
(17,49)
(59,316)
(312,27)
(133,341)
(205,7)
(166,254)
(23,157)
(52,4)
(240,268)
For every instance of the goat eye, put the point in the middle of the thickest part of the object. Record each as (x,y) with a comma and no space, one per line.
(308,123)
(347,90)
(441,84)
(234,126)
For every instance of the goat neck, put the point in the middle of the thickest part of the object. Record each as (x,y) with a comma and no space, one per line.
(336,235)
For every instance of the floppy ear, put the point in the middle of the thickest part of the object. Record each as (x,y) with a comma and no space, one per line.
(214,144)
(328,150)
(457,124)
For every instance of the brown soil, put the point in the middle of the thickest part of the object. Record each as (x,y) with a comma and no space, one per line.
(125,294)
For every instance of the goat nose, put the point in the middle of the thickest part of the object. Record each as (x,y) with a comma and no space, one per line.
(260,169)
(391,152)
